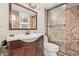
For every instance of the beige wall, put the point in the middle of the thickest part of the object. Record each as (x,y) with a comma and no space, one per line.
(4,20)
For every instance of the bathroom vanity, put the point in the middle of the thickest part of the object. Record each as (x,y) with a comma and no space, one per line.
(22,48)
(23,18)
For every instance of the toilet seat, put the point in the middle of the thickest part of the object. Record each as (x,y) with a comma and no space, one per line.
(52,47)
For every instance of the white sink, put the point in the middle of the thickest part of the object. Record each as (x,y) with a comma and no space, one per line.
(27,38)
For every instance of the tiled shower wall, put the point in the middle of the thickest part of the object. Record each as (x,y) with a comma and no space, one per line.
(63,29)
(72,30)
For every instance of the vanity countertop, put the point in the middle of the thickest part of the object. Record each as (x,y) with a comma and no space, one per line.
(28,38)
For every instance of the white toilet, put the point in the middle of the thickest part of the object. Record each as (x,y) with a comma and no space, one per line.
(50,49)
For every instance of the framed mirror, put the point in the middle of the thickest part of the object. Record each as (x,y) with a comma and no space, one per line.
(21,18)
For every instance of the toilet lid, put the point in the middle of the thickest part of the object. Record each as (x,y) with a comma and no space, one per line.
(45,40)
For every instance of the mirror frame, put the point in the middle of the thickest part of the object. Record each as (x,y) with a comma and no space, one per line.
(10,19)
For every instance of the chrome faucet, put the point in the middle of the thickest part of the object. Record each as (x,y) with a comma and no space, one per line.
(28,32)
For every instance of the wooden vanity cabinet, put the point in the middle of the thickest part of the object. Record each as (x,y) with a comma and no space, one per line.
(21,48)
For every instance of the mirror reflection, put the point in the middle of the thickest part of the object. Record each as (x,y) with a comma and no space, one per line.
(22,17)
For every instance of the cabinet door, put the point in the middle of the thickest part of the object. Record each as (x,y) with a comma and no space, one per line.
(32,49)
(19,52)
(15,44)
(39,47)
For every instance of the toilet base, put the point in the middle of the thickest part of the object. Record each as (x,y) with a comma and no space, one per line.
(50,53)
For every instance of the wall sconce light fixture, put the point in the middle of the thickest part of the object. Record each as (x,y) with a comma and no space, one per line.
(34,6)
